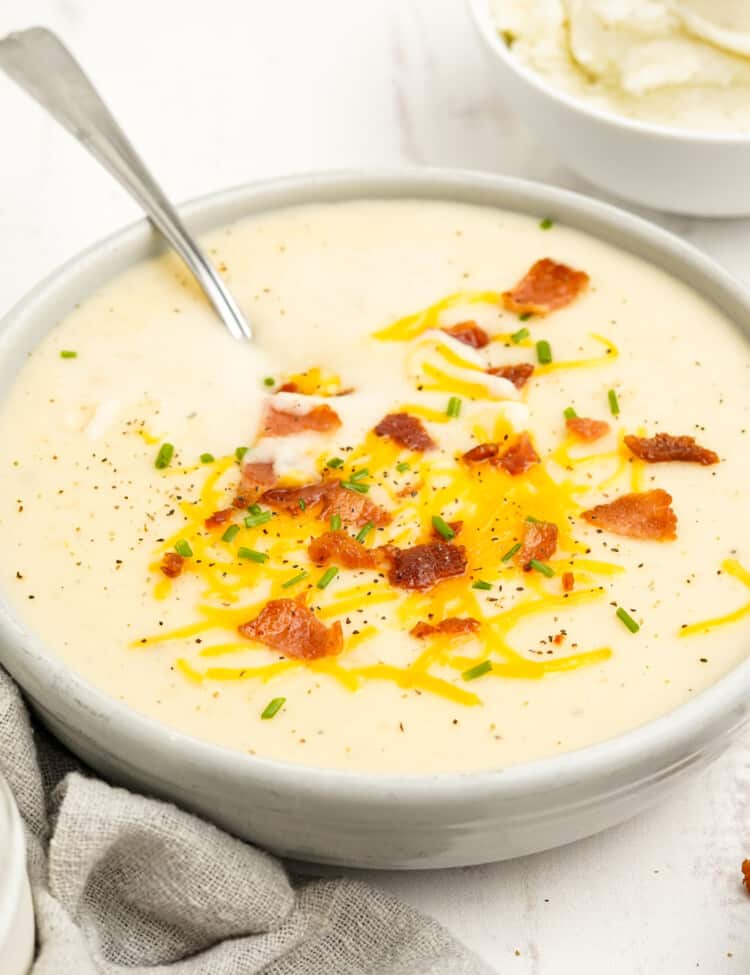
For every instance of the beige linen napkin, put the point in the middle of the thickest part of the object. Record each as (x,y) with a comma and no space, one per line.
(123,883)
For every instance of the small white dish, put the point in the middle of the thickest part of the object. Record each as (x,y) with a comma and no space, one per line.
(678,170)
(16,912)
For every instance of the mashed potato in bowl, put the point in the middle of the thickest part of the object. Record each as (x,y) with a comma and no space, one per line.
(474,498)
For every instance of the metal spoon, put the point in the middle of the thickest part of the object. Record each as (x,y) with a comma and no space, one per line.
(38,61)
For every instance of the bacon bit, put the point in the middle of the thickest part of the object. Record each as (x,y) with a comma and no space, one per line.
(287,625)
(352,508)
(568,581)
(483,451)
(545,287)
(321,419)
(218,518)
(559,638)
(257,476)
(344,550)
(519,374)
(643,515)
(288,498)
(746,874)
(410,490)
(406,430)
(539,542)
(520,457)
(587,429)
(421,566)
(452,625)
(455,525)
(469,333)
(664,447)
(172,565)
(288,388)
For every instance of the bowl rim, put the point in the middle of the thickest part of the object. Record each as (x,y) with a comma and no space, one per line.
(23,653)
(482,17)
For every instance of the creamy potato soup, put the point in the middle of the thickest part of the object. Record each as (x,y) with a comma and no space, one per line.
(474,497)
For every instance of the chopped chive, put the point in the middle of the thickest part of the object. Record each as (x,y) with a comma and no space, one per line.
(269,381)
(335,462)
(443,528)
(301,503)
(231,533)
(355,486)
(532,519)
(182,547)
(624,616)
(365,531)
(526,316)
(358,475)
(454,407)
(240,453)
(569,413)
(207,458)
(253,521)
(520,335)
(403,466)
(164,456)
(335,523)
(542,567)
(273,707)
(543,352)
(328,576)
(481,584)
(294,580)
(511,552)
(479,671)
(251,554)
(614,403)
(254,509)
(546,224)
(68,354)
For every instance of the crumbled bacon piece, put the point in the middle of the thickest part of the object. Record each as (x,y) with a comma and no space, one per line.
(642,515)
(218,518)
(520,457)
(545,287)
(353,508)
(455,525)
(746,874)
(539,542)
(257,476)
(587,429)
(287,625)
(469,333)
(568,581)
(288,388)
(559,638)
(452,625)
(664,447)
(344,550)
(406,430)
(519,373)
(421,566)
(483,451)
(321,419)
(289,498)
(172,565)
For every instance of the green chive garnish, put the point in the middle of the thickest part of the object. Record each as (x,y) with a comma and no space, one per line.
(479,671)
(614,403)
(240,453)
(365,531)
(269,381)
(164,456)
(520,335)
(252,521)
(358,475)
(182,547)
(547,223)
(301,503)
(543,352)
(68,354)
(231,533)
(273,707)
(403,466)
(542,567)
(294,580)
(569,413)
(624,616)
(335,523)
(454,407)
(207,458)
(532,519)
(525,317)
(335,462)
(443,528)
(328,576)
(481,584)
(355,486)
(254,509)
(511,552)
(251,554)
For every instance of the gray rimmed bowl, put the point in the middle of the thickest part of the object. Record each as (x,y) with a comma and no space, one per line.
(358,818)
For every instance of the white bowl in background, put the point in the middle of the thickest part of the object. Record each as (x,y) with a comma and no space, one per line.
(16,912)
(702,174)
(359,818)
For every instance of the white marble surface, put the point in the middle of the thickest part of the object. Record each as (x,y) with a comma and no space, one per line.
(218,93)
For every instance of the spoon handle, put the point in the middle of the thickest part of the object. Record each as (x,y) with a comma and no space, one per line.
(37,61)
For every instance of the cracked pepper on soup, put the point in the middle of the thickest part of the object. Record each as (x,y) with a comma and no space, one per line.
(474,497)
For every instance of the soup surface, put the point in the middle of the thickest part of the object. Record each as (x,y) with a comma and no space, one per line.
(474,498)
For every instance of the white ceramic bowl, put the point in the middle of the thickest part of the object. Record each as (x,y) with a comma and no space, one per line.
(16,913)
(352,818)
(678,170)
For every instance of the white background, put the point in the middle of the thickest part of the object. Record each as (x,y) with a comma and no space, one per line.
(219,92)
